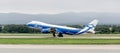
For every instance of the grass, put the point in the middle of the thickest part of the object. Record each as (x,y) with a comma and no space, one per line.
(48,40)
(57,41)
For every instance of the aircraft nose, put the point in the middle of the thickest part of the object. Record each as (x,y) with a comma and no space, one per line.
(28,24)
(31,25)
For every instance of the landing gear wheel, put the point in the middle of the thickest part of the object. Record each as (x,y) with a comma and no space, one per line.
(54,35)
(60,35)
(53,31)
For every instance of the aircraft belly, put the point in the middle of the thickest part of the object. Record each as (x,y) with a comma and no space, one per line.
(67,31)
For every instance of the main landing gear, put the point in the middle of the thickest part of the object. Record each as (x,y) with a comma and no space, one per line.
(53,31)
(60,35)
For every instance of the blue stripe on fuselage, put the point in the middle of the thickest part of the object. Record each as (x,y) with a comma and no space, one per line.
(62,30)
(67,31)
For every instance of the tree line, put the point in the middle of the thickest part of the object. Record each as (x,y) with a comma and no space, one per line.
(100,29)
(17,29)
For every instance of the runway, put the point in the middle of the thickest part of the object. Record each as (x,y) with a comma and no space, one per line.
(59,48)
(90,37)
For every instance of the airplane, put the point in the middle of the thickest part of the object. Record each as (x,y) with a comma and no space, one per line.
(50,28)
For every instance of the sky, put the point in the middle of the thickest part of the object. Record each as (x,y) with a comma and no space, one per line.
(58,6)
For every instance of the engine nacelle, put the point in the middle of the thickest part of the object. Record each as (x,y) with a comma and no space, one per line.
(45,30)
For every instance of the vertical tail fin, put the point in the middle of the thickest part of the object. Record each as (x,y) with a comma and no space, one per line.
(92,26)
(89,28)
(94,22)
